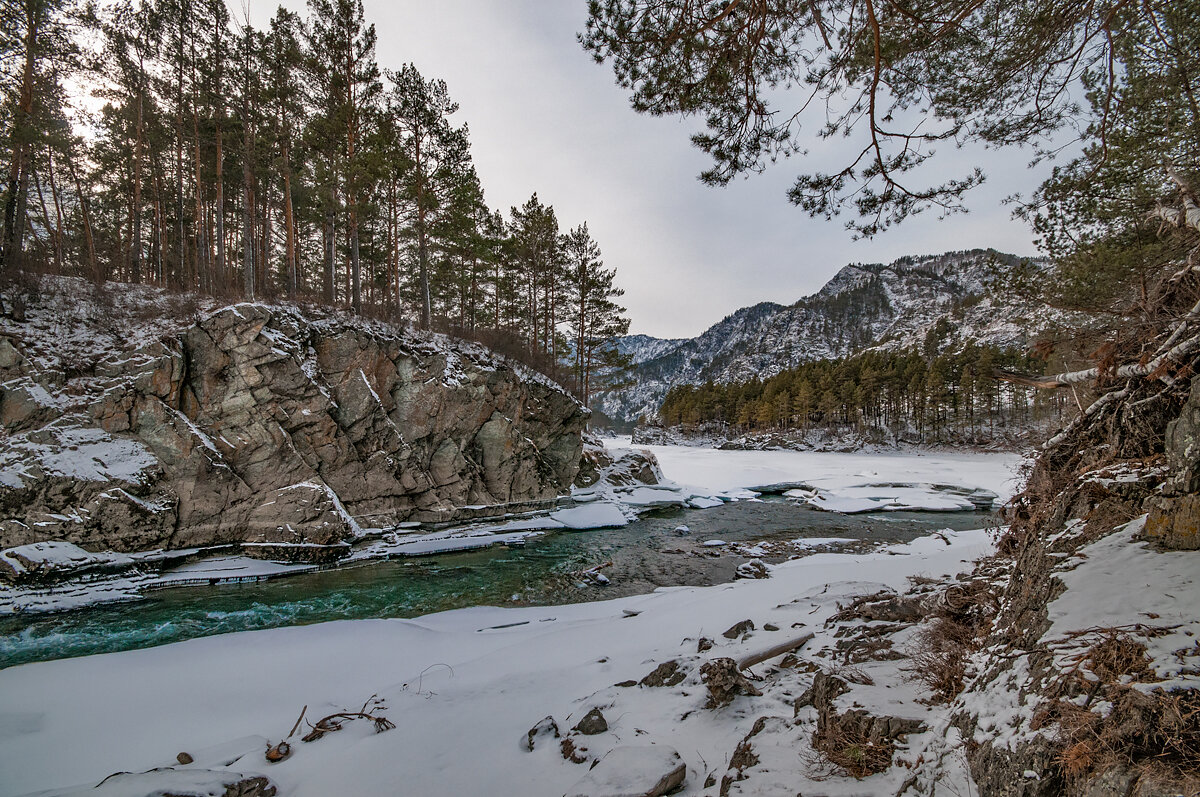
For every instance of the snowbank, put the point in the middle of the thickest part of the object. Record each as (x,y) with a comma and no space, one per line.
(463,687)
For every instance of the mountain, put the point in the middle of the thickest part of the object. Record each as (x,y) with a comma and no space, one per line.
(940,298)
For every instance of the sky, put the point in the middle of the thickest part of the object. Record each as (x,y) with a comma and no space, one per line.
(545,118)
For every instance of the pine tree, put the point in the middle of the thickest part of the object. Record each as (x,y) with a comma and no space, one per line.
(595,320)
(437,155)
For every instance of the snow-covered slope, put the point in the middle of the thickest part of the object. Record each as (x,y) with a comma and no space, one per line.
(862,306)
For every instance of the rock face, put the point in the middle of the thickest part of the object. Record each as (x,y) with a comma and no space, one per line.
(257,425)
(1174,516)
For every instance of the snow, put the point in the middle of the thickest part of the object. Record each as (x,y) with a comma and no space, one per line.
(62,449)
(929,478)
(458,723)
(597,515)
(1120,582)
(54,555)
(640,764)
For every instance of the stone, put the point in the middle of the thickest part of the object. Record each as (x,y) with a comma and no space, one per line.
(1173,519)
(633,771)
(545,729)
(738,629)
(1174,522)
(666,674)
(725,682)
(755,568)
(1182,446)
(592,723)
(704,644)
(621,467)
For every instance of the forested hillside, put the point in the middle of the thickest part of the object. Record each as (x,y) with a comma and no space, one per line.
(167,142)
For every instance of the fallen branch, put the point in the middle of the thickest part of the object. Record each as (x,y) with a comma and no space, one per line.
(1088,375)
(777,650)
(298,720)
(334,722)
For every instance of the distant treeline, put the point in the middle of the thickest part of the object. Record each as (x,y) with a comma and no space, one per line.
(927,399)
(279,161)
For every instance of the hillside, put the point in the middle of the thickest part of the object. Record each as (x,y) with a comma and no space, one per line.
(863,306)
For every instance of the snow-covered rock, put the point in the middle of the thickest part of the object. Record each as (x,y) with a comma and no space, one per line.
(133,425)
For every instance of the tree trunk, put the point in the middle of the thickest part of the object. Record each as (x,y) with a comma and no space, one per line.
(328,232)
(85,213)
(247,208)
(13,246)
(289,219)
(220,271)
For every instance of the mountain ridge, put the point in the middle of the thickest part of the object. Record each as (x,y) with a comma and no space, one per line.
(864,305)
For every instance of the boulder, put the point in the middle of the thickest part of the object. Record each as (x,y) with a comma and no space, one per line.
(1173,520)
(592,723)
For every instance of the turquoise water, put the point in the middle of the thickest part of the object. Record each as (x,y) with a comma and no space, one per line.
(643,555)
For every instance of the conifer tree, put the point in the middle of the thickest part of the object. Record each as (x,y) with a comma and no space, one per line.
(595,320)
(437,155)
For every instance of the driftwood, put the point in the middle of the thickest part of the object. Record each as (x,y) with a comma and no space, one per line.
(747,662)
(275,753)
(334,722)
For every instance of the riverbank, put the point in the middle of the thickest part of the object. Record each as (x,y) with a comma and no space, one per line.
(505,669)
(462,685)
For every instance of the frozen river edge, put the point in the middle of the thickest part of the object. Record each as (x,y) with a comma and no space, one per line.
(507,668)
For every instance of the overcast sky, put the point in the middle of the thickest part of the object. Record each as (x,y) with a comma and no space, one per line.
(545,117)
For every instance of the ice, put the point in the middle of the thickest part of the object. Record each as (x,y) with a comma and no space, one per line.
(229,568)
(598,515)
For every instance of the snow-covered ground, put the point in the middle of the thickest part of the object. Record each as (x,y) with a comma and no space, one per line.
(464,687)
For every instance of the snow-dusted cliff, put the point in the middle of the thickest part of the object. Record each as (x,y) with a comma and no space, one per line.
(861,307)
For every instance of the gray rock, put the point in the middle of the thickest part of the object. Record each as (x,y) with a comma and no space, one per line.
(592,723)
(259,425)
(1173,520)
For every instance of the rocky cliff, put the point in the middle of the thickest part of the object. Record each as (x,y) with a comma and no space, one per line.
(285,431)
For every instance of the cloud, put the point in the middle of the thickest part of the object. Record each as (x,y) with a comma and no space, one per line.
(545,117)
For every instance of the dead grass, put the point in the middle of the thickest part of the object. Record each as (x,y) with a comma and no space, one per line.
(846,746)
(939,656)
(1155,733)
